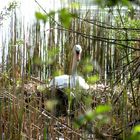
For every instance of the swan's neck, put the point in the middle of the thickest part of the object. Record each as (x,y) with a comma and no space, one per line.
(74,67)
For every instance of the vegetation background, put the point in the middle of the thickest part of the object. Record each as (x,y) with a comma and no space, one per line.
(35,51)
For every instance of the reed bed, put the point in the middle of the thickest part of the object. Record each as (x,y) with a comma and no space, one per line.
(32,54)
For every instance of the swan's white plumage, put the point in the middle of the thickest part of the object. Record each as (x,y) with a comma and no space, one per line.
(71,81)
(66,81)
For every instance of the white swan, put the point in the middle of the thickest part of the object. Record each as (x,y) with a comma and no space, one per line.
(65,81)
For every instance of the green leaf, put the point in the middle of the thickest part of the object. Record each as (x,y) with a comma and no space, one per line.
(19,42)
(93,79)
(111,3)
(90,115)
(136,133)
(57,73)
(37,60)
(51,104)
(136,129)
(65,17)
(126,3)
(40,16)
(80,121)
(12,5)
(103,109)
(88,68)
(52,54)
(51,14)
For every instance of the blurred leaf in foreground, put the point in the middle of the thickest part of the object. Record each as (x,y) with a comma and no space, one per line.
(50,104)
(93,79)
(41,16)
(99,113)
(65,17)
(136,133)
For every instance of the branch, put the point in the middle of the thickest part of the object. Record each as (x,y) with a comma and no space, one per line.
(108,27)
(93,37)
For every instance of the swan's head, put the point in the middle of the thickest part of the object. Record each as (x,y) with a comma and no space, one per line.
(77,52)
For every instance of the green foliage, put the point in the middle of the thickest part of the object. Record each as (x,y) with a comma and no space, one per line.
(65,17)
(93,79)
(45,133)
(136,133)
(19,42)
(103,109)
(50,104)
(104,3)
(7,10)
(12,5)
(112,3)
(51,14)
(41,16)
(52,55)
(45,17)
(88,100)
(130,24)
(57,73)
(37,60)
(99,113)
(136,130)
(20,118)
(87,67)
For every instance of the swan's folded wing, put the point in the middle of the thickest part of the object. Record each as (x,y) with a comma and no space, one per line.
(61,81)
(82,83)
(65,81)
